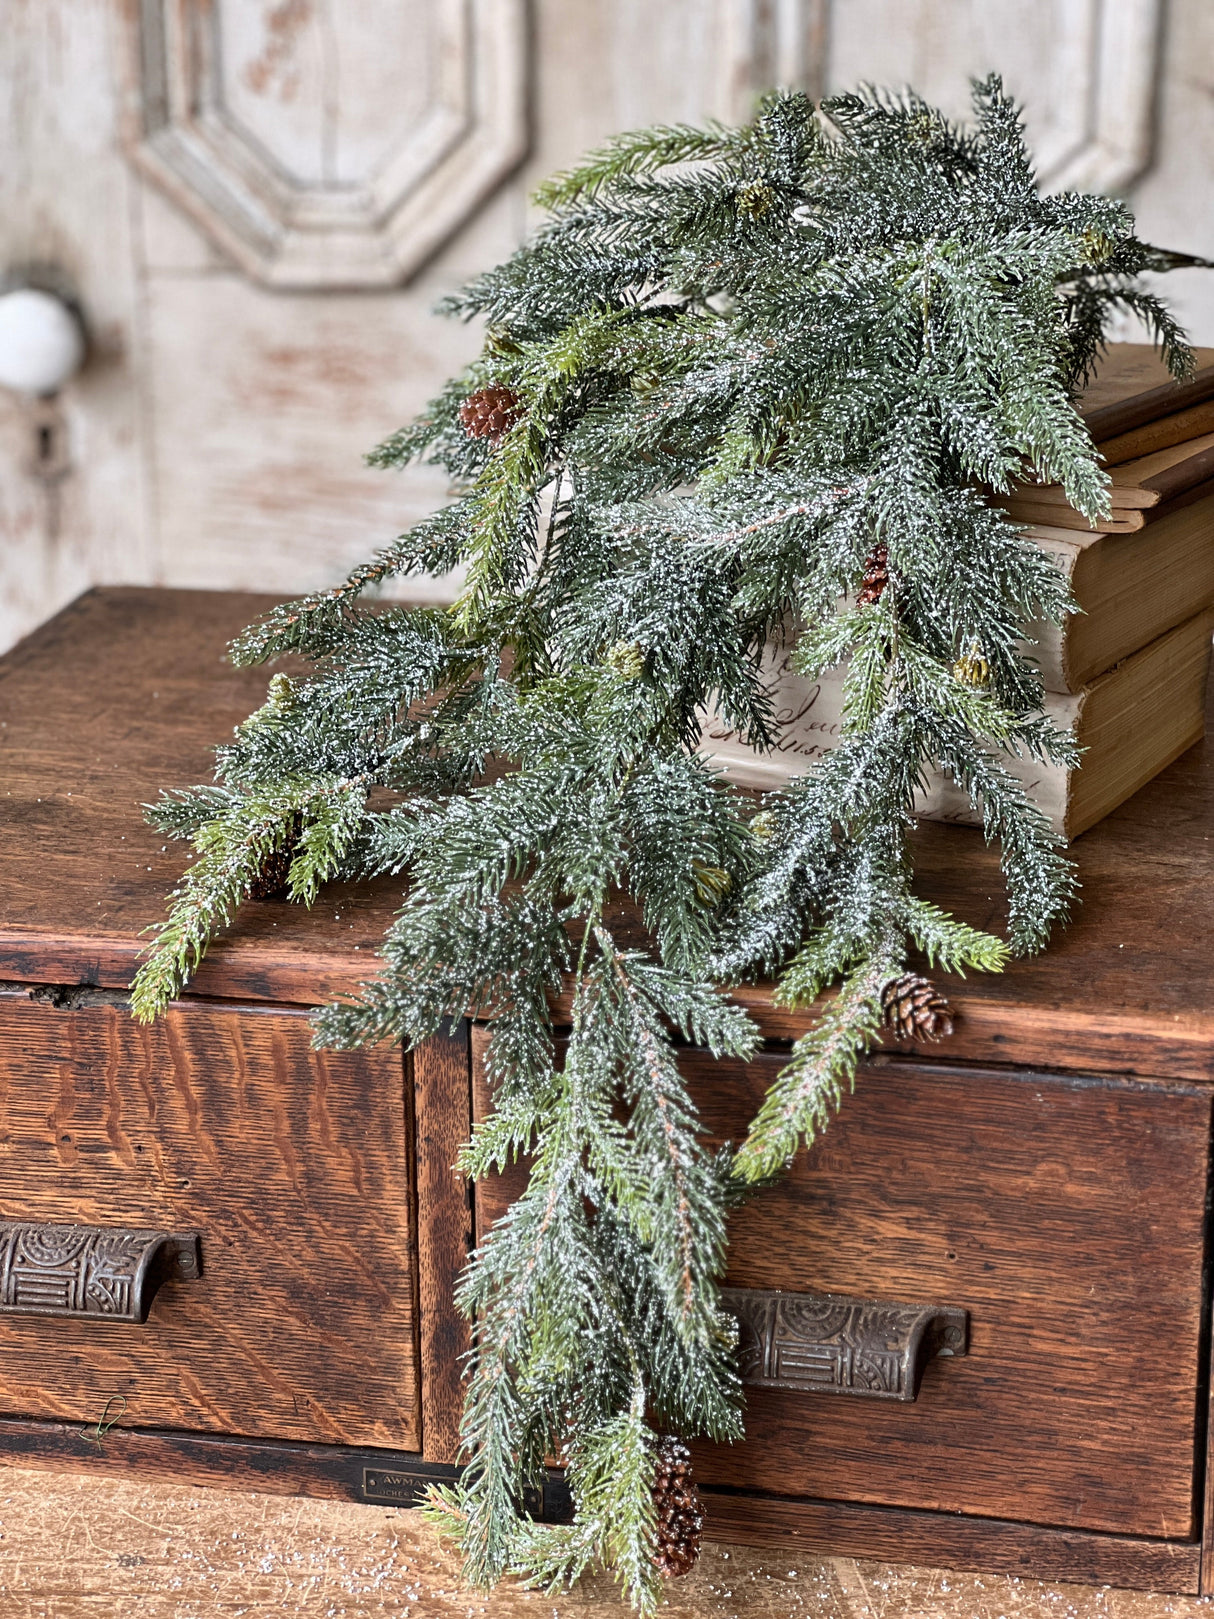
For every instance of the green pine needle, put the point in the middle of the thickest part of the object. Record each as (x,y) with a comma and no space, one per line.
(738,362)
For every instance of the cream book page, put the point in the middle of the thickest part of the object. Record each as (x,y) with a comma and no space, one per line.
(809,717)
(1043,642)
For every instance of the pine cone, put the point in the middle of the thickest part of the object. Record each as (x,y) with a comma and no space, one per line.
(627,659)
(763,826)
(680,1519)
(755,198)
(972,668)
(1095,246)
(272,879)
(490,413)
(876,576)
(712,883)
(915,1009)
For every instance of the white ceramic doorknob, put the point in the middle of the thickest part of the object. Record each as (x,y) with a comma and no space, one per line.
(41,342)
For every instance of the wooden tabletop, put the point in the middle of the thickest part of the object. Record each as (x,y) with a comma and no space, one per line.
(127,691)
(122,694)
(91,1546)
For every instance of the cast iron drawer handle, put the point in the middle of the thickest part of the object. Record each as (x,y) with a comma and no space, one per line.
(825,1343)
(82,1270)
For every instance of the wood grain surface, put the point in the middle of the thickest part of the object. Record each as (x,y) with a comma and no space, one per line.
(127,691)
(442,1110)
(338,1473)
(79,1547)
(292,1165)
(1066,1216)
(1083,1201)
(849,1529)
(324,1472)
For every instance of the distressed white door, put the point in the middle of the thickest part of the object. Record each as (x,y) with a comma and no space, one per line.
(258,201)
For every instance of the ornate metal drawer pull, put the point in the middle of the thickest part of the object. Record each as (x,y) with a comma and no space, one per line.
(85,1270)
(825,1343)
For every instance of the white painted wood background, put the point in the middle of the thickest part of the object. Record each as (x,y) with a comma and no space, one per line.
(258,201)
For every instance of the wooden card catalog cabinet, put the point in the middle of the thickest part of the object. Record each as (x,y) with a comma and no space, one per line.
(972,1319)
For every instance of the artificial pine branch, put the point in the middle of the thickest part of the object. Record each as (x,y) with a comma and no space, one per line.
(742,385)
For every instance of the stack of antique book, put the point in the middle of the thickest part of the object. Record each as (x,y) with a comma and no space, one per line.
(1128,671)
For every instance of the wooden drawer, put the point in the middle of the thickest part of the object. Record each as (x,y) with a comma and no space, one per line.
(293,1167)
(1065,1214)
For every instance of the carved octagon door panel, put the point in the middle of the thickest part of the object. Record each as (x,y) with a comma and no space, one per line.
(326,144)
(257,203)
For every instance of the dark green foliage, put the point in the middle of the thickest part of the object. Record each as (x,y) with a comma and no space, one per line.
(744,358)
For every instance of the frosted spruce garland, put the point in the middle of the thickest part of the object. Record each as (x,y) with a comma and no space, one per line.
(737,375)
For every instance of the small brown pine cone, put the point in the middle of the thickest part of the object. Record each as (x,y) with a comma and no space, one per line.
(876,576)
(677,1503)
(915,1009)
(272,879)
(490,413)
